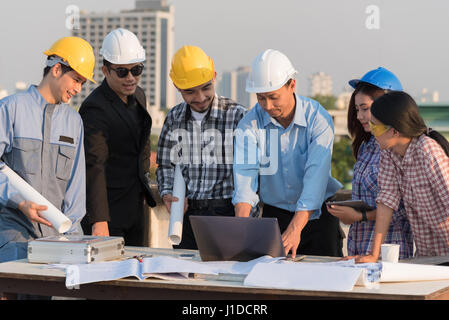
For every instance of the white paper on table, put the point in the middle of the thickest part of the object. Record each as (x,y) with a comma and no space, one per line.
(398,272)
(58,220)
(303,276)
(177,208)
(237,267)
(77,274)
(162,267)
(166,264)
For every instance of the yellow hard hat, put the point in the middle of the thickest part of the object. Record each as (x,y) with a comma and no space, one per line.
(191,67)
(77,52)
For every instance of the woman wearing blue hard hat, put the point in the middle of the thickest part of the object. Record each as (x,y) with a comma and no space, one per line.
(364,184)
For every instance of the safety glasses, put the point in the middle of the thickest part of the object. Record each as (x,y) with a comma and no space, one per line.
(378,129)
(123,72)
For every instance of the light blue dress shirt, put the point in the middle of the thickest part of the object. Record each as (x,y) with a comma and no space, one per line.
(42,143)
(289,168)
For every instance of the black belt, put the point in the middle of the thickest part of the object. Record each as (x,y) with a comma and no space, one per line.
(209,203)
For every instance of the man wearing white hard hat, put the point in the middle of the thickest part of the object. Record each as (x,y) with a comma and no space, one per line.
(117,143)
(283,150)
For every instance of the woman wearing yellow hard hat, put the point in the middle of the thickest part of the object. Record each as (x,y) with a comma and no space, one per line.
(43,143)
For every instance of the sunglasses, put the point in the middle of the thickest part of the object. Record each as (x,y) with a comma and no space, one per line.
(378,129)
(123,72)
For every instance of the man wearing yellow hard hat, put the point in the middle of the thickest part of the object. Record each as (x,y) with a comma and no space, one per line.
(117,141)
(197,135)
(41,139)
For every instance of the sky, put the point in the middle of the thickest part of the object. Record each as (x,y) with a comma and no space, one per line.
(342,38)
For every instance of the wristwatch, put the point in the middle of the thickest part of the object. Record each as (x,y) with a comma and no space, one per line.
(364,218)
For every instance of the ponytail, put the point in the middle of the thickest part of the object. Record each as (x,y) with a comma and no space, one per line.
(439,138)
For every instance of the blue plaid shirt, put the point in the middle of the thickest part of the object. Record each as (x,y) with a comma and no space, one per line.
(364,187)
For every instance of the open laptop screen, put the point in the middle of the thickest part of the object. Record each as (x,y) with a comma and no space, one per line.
(236,238)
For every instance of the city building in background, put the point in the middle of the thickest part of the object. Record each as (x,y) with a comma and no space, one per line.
(320,84)
(232,84)
(21,87)
(427,97)
(153,23)
(343,99)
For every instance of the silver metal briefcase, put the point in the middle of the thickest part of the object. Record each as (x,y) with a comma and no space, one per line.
(72,249)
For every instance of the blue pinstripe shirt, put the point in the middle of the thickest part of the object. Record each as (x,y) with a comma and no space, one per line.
(288,168)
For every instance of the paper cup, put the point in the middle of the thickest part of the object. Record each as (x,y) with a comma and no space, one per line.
(389,252)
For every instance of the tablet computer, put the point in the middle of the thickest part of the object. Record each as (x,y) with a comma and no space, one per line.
(358,205)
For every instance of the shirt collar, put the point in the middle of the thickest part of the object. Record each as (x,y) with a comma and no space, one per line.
(299,118)
(214,110)
(36,95)
(409,154)
(408,157)
(371,144)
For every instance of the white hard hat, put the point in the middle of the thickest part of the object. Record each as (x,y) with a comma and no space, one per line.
(270,70)
(121,46)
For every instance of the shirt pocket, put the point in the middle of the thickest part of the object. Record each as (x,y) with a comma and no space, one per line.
(64,162)
(26,155)
(424,203)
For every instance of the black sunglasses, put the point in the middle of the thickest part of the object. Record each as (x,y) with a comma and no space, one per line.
(123,72)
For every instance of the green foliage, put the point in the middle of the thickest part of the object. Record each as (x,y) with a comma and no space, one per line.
(154,139)
(327,102)
(343,162)
(153,174)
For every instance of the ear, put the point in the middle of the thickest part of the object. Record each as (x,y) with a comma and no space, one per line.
(56,70)
(293,85)
(105,70)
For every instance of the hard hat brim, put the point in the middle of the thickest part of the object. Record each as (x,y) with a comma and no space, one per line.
(354,82)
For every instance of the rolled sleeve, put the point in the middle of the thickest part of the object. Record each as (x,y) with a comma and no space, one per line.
(389,193)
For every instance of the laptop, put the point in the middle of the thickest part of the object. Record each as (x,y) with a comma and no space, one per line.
(222,238)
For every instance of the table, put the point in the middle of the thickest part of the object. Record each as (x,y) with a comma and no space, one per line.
(22,277)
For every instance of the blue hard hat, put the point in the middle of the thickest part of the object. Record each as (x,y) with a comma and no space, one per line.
(381,78)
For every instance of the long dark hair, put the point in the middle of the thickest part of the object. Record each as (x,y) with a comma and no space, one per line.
(398,110)
(355,128)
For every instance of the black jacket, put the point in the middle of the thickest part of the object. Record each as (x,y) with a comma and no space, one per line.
(117,159)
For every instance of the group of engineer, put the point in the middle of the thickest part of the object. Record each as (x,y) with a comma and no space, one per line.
(272,159)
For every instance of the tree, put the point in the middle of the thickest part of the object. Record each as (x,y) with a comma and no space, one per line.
(343,162)
(327,101)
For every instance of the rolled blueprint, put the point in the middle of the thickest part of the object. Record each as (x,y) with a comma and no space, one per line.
(59,221)
(177,208)
(399,272)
